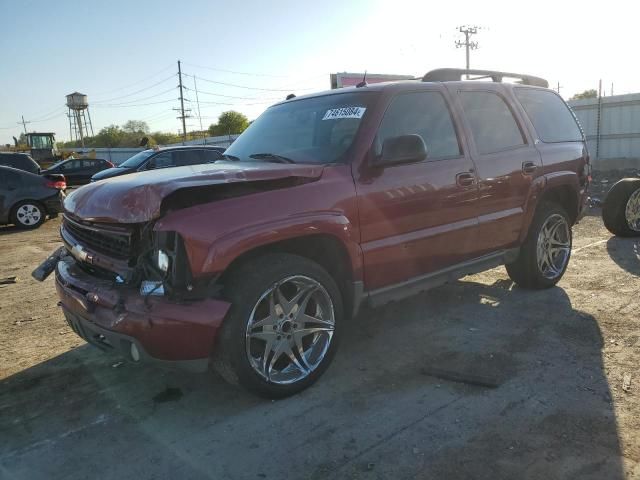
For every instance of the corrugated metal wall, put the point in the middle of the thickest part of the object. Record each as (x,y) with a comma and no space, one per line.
(119,155)
(619,129)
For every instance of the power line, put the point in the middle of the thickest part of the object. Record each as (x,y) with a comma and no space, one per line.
(137,82)
(143,98)
(195,86)
(137,91)
(252,88)
(120,105)
(252,74)
(231,96)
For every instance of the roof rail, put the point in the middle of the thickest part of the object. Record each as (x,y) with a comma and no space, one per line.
(455,74)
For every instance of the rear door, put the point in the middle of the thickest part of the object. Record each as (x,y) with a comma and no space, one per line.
(417,218)
(10,192)
(557,134)
(72,170)
(506,163)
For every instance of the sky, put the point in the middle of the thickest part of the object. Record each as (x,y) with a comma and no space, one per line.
(247,54)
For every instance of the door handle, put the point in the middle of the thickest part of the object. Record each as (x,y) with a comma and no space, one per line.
(528,168)
(465,179)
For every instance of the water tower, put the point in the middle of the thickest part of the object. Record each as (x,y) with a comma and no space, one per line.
(78,125)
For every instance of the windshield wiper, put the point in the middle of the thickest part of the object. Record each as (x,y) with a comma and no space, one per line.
(226,156)
(272,157)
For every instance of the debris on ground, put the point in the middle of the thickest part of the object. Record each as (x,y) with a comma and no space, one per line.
(626,382)
(461,377)
(168,395)
(8,280)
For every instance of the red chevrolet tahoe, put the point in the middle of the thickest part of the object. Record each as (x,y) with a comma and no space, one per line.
(253,264)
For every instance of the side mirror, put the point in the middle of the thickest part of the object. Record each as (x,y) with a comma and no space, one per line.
(151,165)
(402,149)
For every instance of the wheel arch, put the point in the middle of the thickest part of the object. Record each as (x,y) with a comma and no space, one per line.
(562,188)
(325,249)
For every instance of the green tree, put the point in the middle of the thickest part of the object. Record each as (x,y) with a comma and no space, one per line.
(228,123)
(135,126)
(111,136)
(592,93)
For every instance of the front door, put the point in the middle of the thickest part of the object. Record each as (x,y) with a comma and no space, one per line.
(416,218)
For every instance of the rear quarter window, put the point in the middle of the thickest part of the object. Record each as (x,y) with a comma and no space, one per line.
(549,115)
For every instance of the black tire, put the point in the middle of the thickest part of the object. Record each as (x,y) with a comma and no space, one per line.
(525,271)
(614,207)
(28,222)
(244,287)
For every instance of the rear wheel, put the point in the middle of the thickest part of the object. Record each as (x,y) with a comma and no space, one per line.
(621,208)
(283,326)
(545,254)
(28,215)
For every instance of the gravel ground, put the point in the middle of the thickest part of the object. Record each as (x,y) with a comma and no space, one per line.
(555,408)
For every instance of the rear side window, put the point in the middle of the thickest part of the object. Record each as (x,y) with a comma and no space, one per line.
(550,115)
(425,114)
(492,124)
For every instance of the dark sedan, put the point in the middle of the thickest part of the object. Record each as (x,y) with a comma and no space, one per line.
(78,171)
(26,199)
(21,161)
(163,157)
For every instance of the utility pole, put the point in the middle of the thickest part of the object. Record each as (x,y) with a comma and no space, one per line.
(24,124)
(468,32)
(182,116)
(598,120)
(559,87)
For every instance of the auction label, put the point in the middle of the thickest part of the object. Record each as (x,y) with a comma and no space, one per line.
(344,112)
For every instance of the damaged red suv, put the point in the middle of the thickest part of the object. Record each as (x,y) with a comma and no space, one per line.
(253,264)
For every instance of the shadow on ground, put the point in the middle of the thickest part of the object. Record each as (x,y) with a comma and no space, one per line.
(626,253)
(387,408)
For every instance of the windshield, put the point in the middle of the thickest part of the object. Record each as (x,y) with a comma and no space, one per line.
(313,130)
(137,159)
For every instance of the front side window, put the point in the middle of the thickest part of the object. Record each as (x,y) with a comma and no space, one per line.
(137,160)
(491,122)
(550,115)
(308,130)
(421,113)
(162,160)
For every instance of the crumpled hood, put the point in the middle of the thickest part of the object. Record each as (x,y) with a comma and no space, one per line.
(137,197)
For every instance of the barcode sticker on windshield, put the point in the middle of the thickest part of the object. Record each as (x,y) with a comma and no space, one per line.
(344,112)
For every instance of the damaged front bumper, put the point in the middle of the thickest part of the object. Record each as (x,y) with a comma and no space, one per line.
(142,328)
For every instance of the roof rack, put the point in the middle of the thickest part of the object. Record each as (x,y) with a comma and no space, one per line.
(455,74)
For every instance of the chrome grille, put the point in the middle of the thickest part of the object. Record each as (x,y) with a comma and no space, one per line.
(114,243)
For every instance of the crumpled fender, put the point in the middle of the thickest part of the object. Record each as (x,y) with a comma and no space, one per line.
(216,233)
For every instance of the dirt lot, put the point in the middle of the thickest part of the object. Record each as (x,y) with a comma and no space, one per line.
(558,409)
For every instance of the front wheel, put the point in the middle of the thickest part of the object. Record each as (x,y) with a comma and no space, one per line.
(283,326)
(545,254)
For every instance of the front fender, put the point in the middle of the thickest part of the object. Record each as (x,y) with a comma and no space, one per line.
(235,243)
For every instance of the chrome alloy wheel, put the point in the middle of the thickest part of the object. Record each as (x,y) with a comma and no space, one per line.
(290,330)
(632,211)
(554,246)
(28,214)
